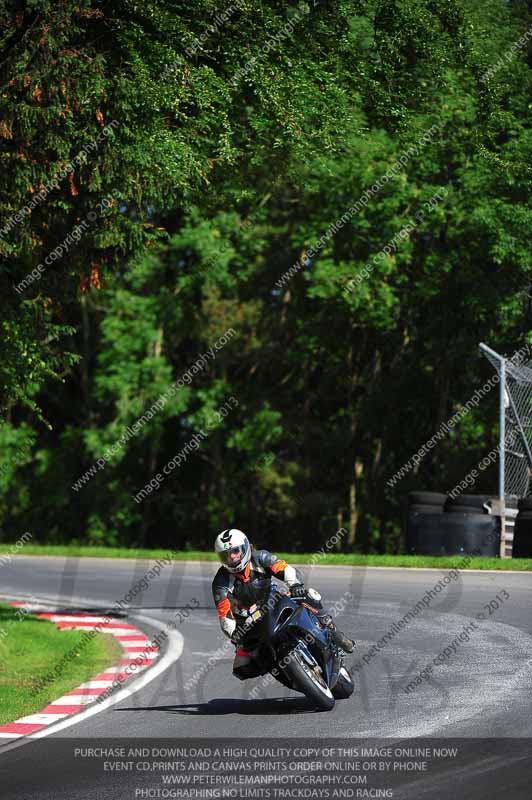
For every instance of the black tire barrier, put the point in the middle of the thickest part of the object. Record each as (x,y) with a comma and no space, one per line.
(427,498)
(464,510)
(417,508)
(475,501)
(453,535)
(522,546)
(525,504)
(469,500)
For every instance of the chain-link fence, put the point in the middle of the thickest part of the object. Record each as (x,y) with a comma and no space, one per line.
(515,422)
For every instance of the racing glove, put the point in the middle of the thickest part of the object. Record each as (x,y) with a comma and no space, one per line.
(298,590)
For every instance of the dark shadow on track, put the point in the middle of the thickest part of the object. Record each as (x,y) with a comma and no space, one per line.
(211,608)
(269,707)
(122,612)
(100,611)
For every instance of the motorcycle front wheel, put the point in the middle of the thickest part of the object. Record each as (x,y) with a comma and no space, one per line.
(305,679)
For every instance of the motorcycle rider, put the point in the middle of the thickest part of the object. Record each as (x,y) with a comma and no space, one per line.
(241,565)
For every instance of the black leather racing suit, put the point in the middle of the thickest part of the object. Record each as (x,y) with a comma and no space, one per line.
(228,586)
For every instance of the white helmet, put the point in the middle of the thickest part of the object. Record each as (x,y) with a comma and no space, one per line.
(233,549)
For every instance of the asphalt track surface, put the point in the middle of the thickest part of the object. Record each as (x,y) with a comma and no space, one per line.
(482,691)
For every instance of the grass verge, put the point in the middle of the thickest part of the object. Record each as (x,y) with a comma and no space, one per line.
(30,650)
(346,559)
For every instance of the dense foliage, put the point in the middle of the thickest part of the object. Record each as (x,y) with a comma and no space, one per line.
(331,197)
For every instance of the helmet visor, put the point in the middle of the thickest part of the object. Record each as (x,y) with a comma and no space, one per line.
(233,556)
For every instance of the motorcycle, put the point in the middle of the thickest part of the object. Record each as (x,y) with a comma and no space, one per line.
(286,638)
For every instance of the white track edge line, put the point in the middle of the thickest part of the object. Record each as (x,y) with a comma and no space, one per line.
(295,563)
(174,650)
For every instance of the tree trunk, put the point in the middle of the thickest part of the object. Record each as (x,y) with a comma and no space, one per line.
(358,469)
(84,366)
(152,456)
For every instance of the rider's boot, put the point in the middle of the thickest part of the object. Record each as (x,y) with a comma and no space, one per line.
(339,638)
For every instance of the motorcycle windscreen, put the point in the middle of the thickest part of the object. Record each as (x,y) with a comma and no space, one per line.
(302,623)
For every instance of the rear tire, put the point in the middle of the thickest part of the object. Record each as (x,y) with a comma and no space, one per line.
(344,686)
(306,681)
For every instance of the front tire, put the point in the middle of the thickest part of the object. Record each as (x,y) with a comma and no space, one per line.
(305,680)
(344,686)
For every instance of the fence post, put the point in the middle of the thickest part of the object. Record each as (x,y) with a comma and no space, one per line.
(502,447)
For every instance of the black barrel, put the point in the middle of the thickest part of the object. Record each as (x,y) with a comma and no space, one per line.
(522,547)
(453,534)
